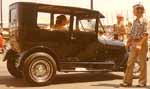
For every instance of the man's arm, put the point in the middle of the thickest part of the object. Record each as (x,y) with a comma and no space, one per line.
(130,39)
(145,34)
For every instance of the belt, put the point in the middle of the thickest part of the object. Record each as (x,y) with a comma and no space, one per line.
(136,40)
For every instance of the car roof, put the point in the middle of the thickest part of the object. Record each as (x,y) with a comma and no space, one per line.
(63,9)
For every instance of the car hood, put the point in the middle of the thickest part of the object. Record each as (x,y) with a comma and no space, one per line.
(108,41)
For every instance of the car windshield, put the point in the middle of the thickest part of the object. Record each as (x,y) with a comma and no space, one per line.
(101,28)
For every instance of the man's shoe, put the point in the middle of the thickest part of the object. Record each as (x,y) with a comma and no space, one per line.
(141,85)
(125,85)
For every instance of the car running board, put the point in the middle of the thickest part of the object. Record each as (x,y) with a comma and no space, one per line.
(86,66)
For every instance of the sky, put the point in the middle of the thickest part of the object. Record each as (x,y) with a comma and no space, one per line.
(110,8)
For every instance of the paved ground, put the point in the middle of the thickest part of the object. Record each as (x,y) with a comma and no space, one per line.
(70,80)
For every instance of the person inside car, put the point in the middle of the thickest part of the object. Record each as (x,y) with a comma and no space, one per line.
(61,23)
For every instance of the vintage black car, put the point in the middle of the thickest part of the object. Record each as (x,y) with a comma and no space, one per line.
(37,51)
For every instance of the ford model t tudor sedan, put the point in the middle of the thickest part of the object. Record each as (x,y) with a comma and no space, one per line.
(39,49)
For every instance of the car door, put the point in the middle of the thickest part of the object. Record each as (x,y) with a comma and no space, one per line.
(84,39)
(85,45)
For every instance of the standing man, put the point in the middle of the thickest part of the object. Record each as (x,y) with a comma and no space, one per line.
(138,45)
(119,28)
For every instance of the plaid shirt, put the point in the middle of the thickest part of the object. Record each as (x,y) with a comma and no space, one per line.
(138,29)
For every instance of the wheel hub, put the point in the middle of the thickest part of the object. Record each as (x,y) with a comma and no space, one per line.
(41,70)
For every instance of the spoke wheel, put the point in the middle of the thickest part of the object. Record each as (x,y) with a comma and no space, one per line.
(39,69)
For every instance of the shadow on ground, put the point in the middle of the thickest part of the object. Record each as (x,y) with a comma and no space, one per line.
(117,86)
(85,77)
(9,81)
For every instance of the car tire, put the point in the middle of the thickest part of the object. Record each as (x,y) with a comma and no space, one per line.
(39,69)
(11,67)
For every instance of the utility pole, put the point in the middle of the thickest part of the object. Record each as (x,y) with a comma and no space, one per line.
(91,4)
(1,14)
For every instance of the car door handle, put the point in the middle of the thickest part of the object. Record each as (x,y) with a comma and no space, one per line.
(73,38)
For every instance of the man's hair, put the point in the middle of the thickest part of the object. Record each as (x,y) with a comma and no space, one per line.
(139,7)
(60,19)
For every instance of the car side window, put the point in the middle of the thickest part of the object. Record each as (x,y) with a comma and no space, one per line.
(84,25)
(87,25)
(13,18)
(61,21)
(43,20)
